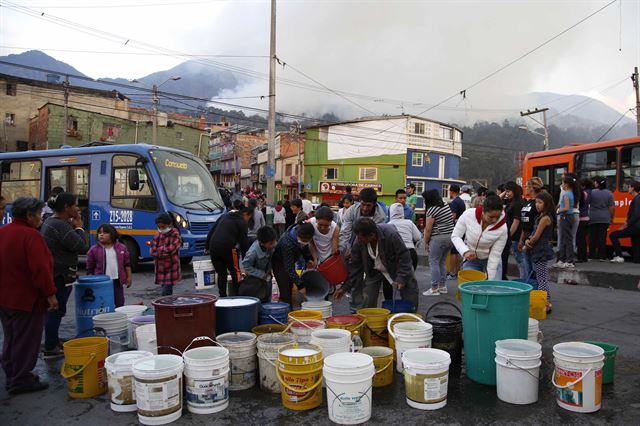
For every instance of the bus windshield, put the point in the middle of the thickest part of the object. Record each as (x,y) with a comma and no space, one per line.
(186,181)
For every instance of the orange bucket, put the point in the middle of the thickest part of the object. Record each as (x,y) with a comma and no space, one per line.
(334,270)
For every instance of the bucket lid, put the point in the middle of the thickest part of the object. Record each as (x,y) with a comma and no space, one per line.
(124,359)
(348,361)
(235,337)
(345,320)
(518,348)
(156,363)
(495,288)
(93,279)
(184,300)
(236,301)
(578,350)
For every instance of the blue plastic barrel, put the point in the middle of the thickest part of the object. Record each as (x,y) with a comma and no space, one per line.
(238,313)
(274,313)
(94,295)
(399,306)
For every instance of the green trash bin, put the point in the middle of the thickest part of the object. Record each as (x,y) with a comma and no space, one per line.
(491,311)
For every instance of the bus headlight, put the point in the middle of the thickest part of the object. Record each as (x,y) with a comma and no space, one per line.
(181,221)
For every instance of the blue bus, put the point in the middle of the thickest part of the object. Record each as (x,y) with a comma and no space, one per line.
(124,185)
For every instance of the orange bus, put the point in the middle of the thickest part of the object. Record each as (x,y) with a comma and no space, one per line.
(617,160)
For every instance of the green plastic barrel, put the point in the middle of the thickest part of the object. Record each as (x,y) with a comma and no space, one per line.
(609,368)
(491,311)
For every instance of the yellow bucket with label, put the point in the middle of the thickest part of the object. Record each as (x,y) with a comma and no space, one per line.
(305,314)
(299,371)
(538,304)
(383,362)
(83,366)
(467,276)
(375,328)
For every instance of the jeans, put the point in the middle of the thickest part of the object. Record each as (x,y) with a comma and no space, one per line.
(581,240)
(523,266)
(530,270)
(625,233)
(52,325)
(598,240)
(439,248)
(481,265)
(167,289)
(566,242)
(227,263)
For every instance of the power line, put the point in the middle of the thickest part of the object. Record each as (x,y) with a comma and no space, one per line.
(117,6)
(107,52)
(584,102)
(614,124)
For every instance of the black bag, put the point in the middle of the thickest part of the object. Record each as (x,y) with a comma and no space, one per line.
(70,275)
(255,287)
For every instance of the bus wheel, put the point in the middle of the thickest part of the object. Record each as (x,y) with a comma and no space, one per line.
(134,253)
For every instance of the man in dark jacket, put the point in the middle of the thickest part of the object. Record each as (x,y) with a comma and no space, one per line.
(380,253)
(229,233)
(631,228)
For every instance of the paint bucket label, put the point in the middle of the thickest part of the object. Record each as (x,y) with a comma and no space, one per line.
(207,393)
(305,400)
(243,372)
(160,397)
(574,395)
(426,388)
(350,408)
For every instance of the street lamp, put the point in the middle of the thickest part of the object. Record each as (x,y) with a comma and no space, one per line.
(544,135)
(155,102)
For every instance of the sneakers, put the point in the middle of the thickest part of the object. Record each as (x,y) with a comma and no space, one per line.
(558,264)
(568,265)
(443,290)
(451,277)
(431,292)
(34,387)
(54,353)
(617,259)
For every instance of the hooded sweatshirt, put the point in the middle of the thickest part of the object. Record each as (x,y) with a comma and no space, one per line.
(407,229)
(349,219)
(487,243)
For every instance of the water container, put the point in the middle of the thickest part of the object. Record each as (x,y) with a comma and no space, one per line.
(274,313)
(317,287)
(94,295)
(238,313)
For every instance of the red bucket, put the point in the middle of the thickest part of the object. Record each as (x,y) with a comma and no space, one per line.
(334,270)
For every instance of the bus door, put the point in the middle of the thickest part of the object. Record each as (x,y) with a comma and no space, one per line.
(74,179)
(551,176)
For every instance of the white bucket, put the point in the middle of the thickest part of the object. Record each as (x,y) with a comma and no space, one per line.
(122,392)
(146,338)
(518,370)
(242,354)
(426,377)
(578,376)
(136,322)
(349,380)
(206,372)
(303,329)
(131,311)
(115,327)
(409,335)
(158,389)
(535,335)
(324,306)
(203,274)
(268,346)
(332,341)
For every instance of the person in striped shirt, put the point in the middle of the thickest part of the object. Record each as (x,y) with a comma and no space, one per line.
(439,225)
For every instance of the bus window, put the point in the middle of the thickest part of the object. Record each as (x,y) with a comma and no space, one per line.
(552,178)
(598,163)
(629,166)
(20,179)
(121,195)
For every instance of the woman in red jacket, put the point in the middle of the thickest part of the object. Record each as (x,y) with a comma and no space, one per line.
(26,292)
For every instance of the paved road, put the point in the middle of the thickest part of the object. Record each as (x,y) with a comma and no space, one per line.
(580,313)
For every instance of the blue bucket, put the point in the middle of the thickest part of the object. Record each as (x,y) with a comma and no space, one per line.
(237,313)
(274,313)
(94,295)
(399,306)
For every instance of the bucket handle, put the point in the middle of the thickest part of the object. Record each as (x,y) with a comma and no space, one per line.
(298,321)
(401,315)
(102,330)
(170,347)
(389,364)
(442,303)
(200,339)
(75,373)
(553,379)
(509,362)
(304,390)
(479,306)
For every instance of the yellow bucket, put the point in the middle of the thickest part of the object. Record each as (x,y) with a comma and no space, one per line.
(375,328)
(404,318)
(467,276)
(299,371)
(305,314)
(383,361)
(352,323)
(538,304)
(83,366)
(268,328)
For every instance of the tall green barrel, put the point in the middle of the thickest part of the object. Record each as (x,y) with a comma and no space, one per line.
(491,311)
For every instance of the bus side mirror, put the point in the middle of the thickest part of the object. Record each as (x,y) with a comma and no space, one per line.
(134,180)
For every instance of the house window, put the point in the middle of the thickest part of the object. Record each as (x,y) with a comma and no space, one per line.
(72,123)
(446,133)
(331,173)
(445,190)
(179,136)
(441,163)
(418,128)
(110,131)
(11,89)
(416,159)
(10,119)
(368,173)
(419,186)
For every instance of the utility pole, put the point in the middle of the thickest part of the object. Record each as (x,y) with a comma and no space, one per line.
(65,128)
(636,85)
(154,111)
(271,166)
(296,131)
(529,113)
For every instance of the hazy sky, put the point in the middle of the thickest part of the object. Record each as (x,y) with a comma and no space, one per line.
(418,52)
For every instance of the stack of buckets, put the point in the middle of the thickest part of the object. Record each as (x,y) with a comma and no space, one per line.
(324,306)
(132,311)
(115,327)
(409,335)
(535,335)
(243,358)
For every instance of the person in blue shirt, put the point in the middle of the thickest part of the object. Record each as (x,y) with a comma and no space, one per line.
(256,266)
(566,220)
(631,228)
(401,197)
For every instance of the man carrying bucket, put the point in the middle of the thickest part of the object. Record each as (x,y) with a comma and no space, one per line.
(380,253)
